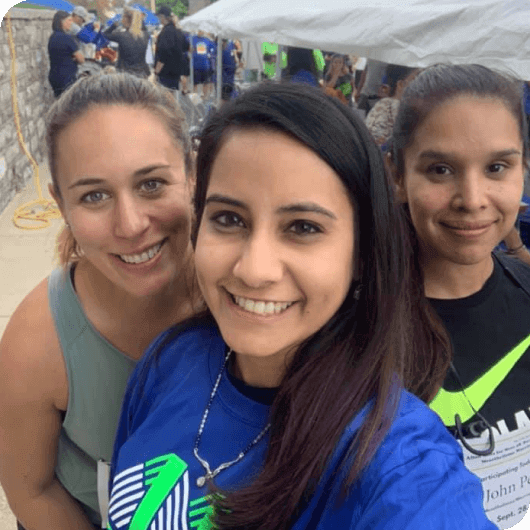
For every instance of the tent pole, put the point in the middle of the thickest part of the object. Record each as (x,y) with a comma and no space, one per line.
(192,68)
(260,57)
(278,74)
(219,69)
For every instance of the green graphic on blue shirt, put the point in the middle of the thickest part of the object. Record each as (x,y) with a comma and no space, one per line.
(200,512)
(155,496)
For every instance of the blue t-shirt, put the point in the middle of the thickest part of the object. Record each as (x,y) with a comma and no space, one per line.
(203,49)
(416,480)
(229,63)
(63,67)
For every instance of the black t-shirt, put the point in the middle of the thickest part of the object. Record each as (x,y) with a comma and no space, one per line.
(490,332)
(63,67)
(131,52)
(483,328)
(170,49)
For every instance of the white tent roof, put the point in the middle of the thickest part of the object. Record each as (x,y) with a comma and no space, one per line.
(494,33)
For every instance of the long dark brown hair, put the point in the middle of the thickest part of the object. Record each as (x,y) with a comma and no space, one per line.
(370,348)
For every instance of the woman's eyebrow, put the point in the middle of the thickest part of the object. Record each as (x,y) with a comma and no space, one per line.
(145,170)
(506,152)
(90,181)
(439,154)
(301,207)
(435,154)
(223,199)
(86,182)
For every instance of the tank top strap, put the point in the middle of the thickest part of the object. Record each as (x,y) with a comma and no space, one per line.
(70,320)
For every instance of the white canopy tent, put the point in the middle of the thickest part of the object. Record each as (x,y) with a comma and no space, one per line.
(494,33)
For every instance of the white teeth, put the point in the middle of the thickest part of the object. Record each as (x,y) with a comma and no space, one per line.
(143,257)
(260,307)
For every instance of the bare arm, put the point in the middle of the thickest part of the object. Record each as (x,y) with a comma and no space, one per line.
(516,247)
(332,81)
(79,57)
(32,390)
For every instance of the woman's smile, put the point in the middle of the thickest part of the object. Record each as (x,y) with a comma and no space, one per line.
(263,308)
(127,203)
(275,248)
(467,230)
(463,180)
(142,256)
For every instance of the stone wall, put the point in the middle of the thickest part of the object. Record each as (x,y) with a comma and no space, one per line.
(31,31)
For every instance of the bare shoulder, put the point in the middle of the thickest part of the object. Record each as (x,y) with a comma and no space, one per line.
(31,361)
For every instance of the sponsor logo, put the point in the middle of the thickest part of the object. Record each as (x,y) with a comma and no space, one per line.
(462,402)
(155,496)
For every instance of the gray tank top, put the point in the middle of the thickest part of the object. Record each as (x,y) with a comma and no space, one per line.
(97,377)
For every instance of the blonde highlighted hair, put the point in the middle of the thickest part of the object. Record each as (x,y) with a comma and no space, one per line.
(135,18)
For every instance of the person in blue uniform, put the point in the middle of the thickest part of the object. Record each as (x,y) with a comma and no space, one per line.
(284,406)
(64,54)
(460,154)
(203,50)
(230,63)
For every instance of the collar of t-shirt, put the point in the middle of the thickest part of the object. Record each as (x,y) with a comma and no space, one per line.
(443,306)
(264,396)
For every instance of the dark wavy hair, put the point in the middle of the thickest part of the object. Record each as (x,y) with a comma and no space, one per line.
(368,350)
(443,82)
(395,73)
(300,59)
(57,21)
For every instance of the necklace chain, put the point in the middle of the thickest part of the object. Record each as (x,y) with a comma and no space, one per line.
(209,473)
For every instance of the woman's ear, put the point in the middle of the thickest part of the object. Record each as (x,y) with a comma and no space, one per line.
(397,180)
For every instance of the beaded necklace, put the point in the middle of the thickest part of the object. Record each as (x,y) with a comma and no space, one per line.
(201,481)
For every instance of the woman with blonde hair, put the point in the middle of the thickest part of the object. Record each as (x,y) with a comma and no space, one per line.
(120,162)
(132,40)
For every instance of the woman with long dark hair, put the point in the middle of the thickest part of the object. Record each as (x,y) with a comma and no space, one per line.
(283,406)
(301,66)
(64,54)
(459,157)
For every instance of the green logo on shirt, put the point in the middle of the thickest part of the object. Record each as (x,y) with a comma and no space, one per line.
(155,495)
(447,404)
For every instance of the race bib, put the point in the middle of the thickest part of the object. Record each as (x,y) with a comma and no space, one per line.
(505,474)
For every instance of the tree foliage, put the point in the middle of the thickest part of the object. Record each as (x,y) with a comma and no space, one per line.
(179,7)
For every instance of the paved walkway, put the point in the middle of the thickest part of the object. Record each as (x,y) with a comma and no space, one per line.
(27,258)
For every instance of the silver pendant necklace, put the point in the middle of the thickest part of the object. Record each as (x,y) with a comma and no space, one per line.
(201,481)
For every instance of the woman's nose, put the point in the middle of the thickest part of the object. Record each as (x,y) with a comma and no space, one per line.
(131,220)
(260,262)
(471,194)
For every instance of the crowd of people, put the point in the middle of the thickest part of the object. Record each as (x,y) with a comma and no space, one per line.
(79,36)
(309,322)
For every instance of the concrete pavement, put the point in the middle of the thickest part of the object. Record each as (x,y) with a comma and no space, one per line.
(27,256)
